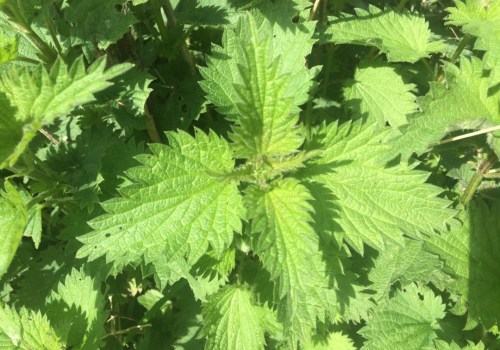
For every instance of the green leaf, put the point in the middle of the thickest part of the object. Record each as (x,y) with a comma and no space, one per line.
(335,340)
(405,264)
(470,256)
(466,104)
(77,311)
(480,19)
(98,22)
(380,93)
(442,345)
(26,330)
(34,98)
(404,37)
(33,228)
(289,249)
(411,316)
(265,126)
(376,202)
(13,220)
(206,12)
(233,321)
(179,205)
(222,73)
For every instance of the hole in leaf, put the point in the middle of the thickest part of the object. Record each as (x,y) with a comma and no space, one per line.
(107,235)
(296,19)
(180,98)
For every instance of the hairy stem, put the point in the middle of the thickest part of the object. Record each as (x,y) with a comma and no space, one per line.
(153,133)
(460,48)
(456,54)
(171,23)
(476,180)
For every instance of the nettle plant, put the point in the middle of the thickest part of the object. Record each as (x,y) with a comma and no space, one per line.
(249,174)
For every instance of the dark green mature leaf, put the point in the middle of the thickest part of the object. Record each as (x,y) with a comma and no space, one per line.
(470,255)
(403,263)
(380,93)
(411,316)
(465,104)
(376,202)
(77,312)
(402,36)
(98,22)
(179,206)
(288,248)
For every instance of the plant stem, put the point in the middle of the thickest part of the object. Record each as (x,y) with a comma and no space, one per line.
(151,126)
(169,12)
(171,23)
(52,30)
(460,47)
(465,136)
(314,10)
(127,330)
(21,58)
(476,180)
(456,54)
(427,66)
(159,20)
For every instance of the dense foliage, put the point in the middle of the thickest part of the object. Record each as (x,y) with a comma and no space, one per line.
(230,174)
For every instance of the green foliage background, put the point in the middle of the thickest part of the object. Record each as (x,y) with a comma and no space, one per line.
(229,174)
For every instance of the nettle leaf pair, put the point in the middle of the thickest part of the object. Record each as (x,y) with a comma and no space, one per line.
(279,200)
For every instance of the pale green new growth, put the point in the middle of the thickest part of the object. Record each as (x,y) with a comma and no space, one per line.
(402,36)
(470,256)
(287,45)
(179,205)
(13,219)
(375,202)
(407,321)
(380,93)
(264,126)
(26,330)
(288,247)
(77,311)
(233,321)
(32,98)
(465,104)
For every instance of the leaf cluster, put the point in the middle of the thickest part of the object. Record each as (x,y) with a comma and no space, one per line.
(284,174)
